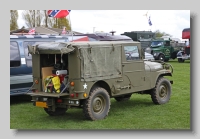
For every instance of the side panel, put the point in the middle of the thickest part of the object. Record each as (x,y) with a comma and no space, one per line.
(100,63)
(37,71)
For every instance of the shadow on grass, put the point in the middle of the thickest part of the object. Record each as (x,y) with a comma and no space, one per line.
(176,61)
(70,115)
(76,114)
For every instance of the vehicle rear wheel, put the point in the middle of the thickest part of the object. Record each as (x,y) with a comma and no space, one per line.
(58,111)
(97,105)
(123,98)
(162,91)
(180,60)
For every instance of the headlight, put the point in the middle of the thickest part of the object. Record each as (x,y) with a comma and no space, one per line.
(154,54)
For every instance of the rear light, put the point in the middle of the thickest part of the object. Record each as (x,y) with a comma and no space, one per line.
(36,81)
(76,94)
(85,95)
(34,90)
(59,100)
(71,95)
(72,83)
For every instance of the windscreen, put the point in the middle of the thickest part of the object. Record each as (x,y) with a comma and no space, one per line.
(156,43)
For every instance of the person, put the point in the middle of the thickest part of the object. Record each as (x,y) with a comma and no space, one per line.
(187,43)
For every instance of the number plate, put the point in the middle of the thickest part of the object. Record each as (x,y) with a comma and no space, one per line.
(41,104)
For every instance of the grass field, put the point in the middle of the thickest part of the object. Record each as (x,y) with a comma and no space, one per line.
(138,113)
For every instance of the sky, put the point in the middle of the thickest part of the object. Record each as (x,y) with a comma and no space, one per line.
(87,21)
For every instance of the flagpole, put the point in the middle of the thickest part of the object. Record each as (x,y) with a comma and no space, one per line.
(71,27)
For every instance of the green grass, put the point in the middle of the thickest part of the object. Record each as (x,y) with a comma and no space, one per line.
(136,114)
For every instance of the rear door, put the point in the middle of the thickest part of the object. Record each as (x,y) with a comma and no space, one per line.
(21,78)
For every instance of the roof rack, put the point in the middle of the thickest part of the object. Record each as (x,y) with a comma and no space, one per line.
(32,34)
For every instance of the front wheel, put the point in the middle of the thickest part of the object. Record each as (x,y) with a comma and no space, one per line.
(161,57)
(97,105)
(162,91)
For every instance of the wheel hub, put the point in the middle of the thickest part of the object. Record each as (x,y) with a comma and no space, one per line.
(163,91)
(98,104)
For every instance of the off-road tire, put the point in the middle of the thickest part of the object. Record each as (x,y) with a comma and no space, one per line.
(97,105)
(162,91)
(180,60)
(161,57)
(57,112)
(123,98)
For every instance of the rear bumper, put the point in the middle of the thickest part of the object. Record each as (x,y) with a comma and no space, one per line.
(44,94)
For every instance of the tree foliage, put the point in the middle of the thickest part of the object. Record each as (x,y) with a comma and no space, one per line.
(32,18)
(37,18)
(13,19)
(160,34)
(63,22)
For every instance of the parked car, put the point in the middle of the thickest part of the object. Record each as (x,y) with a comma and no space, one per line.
(149,56)
(93,72)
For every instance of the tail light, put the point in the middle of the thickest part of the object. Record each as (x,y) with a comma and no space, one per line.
(71,95)
(36,82)
(72,83)
(85,95)
(59,100)
(34,90)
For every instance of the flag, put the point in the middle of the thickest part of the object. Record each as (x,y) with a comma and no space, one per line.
(149,20)
(31,31)
(58,13)
(145,14)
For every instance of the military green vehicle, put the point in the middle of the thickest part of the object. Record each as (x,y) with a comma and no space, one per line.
(144,37)
(164,49)
(87,74)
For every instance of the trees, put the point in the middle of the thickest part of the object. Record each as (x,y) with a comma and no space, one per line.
(32,18)
(13,19)
(63,22)
(160,34)
(37,18)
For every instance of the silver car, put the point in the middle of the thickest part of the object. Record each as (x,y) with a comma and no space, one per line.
(149,57)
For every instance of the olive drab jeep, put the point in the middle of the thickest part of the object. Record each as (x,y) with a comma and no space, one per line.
(87,74)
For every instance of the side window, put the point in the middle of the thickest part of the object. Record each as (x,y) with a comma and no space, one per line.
(131,52)
(29,57)
(167,43)
(14,55)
